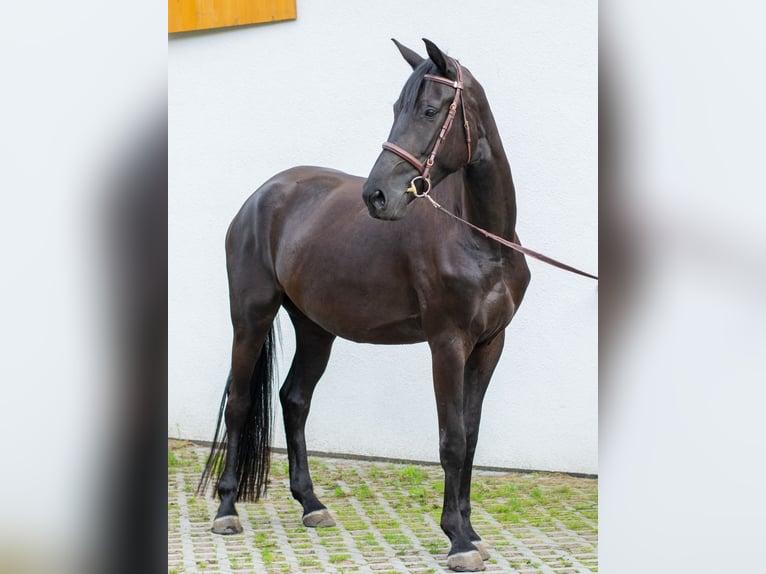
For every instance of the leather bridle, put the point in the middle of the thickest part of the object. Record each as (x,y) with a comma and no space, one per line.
(424,169)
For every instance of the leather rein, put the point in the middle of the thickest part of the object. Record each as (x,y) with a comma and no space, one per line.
(425,170)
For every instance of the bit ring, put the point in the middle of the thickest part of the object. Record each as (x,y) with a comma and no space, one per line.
(412,189)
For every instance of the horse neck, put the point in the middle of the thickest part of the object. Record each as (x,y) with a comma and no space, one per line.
(490,197)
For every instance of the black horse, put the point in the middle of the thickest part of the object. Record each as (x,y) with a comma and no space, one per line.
(306,242)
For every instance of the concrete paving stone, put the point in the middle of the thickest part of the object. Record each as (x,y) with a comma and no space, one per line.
(387,518)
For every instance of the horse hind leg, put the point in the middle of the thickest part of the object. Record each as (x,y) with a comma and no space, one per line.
(313,346)
(245,446)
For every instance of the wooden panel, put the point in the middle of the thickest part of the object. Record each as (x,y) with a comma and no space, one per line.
(187,15)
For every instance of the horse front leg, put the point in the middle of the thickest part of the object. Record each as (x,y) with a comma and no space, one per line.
(449,360)
(478,372)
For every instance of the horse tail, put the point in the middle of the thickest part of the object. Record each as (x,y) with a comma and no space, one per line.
(254,446)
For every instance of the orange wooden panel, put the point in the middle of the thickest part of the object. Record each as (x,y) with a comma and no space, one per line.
(187,15)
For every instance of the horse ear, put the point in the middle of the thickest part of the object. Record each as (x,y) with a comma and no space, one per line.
(413,58)
(439,58)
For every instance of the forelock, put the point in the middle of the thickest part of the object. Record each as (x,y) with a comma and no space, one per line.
(411,88)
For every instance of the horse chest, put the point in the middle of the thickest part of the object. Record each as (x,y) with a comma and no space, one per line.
(473,294)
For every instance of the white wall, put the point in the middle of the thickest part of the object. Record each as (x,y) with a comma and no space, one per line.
(245,103)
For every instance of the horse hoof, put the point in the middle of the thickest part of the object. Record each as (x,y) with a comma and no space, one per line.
(482,548)
(466,562)
(226,525)
(318,518)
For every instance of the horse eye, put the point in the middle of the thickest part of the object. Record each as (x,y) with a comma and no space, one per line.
(431,112)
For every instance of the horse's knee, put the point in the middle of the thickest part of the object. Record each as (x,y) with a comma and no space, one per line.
(452,450)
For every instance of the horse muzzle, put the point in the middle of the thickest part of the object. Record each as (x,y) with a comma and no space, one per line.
(387,205)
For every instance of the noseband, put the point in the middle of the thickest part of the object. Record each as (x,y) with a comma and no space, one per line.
(425,169)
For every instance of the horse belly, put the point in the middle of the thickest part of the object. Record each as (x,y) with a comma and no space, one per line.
(356,313)
(346,291)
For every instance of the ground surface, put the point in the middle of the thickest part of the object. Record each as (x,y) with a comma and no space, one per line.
(387,521)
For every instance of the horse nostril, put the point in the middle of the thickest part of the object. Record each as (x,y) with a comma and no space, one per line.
(378,200)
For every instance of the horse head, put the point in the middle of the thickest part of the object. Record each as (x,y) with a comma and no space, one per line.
(422,148)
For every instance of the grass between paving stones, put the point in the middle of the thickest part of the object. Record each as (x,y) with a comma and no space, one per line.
(386,512)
